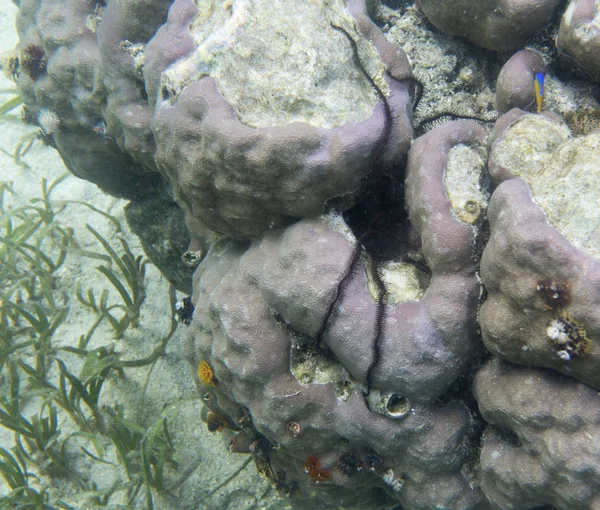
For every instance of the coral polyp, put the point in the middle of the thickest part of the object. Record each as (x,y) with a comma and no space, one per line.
(206,374)
(569,337)
(33,61)
(313,468)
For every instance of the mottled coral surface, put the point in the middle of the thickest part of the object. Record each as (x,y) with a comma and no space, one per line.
(387,313)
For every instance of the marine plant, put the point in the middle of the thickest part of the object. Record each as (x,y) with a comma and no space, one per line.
(49,404)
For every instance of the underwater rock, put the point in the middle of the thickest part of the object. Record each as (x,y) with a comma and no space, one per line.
(541,266)
(150,219)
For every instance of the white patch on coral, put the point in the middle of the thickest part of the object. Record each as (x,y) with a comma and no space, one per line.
(557,331)
(48,121)
(276,68)
(464,168)
(390,479)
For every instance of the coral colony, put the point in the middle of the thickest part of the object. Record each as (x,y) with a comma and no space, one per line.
(395,295)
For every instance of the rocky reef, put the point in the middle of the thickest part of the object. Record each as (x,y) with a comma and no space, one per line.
(394,233)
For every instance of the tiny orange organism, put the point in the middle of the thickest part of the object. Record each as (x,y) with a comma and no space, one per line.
(311,464)
(312,467)
(206,374)
(321,476)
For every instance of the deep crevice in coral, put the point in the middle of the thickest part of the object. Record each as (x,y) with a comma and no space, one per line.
(376,343)
(380,219)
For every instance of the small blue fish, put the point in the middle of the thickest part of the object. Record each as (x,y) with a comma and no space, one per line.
(538,86)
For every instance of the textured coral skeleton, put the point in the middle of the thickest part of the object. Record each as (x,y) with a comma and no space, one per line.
(363,304)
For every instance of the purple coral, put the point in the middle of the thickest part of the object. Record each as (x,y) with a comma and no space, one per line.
(241,180)
(579,35)
(346,375)
(544,447)
(515,84)
(543,289)
(499,25)
(258,314)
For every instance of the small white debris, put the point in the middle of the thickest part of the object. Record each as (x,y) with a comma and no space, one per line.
(395,483)
(48,121)
(557,331)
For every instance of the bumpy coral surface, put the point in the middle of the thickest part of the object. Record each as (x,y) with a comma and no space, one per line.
(302,338)
(544,447)
(89,100)
(541,266)
(79,77)
(579,34)
(296,401)
(363,278)
(498,25)
(254,159)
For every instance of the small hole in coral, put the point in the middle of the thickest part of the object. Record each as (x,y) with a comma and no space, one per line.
(397,405)
(166,94)
(472,207)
